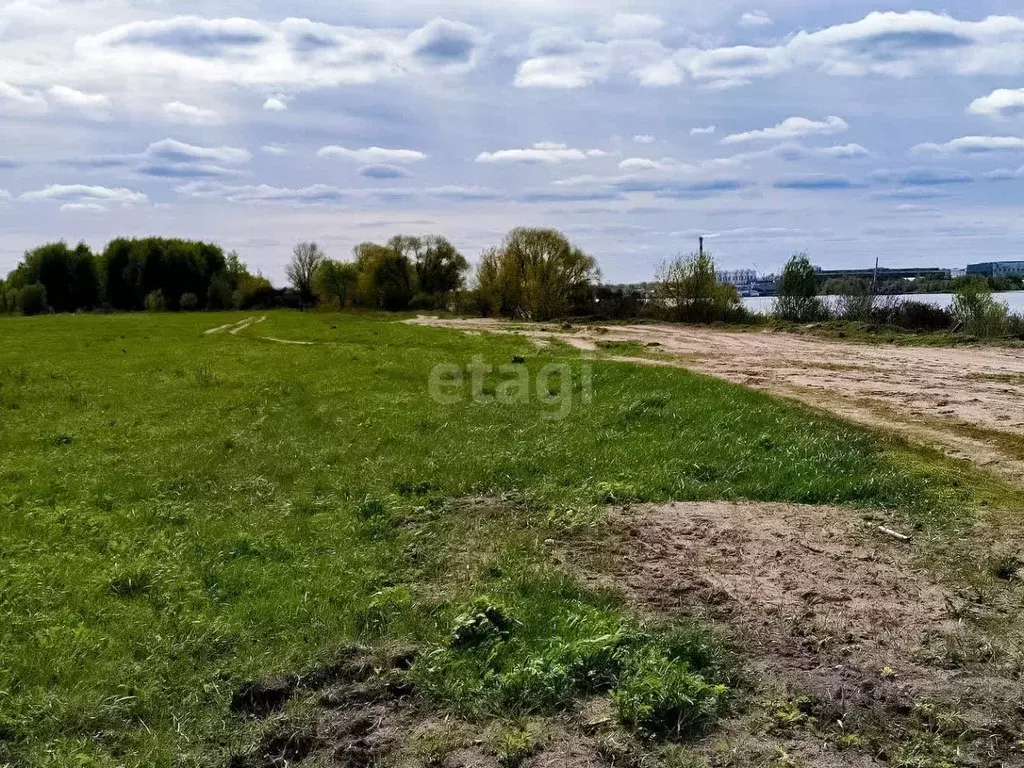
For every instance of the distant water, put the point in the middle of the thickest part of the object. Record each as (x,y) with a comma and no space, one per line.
(762,305)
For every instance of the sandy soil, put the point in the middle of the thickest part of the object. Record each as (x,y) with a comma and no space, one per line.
(822,604)
(967,401)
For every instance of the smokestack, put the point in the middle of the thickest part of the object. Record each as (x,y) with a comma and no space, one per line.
(702,247)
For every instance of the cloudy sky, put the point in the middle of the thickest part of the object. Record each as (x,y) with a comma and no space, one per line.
(848,129)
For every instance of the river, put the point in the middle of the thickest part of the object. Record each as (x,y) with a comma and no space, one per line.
(762,305)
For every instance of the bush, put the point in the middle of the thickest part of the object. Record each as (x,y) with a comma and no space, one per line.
(978,313)
(798,292)
(155,301)
(31,300)
(689,292)
(912,315)
(255,292)
(188,302)
(854,299)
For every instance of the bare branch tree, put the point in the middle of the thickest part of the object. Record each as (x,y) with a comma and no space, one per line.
(306,259)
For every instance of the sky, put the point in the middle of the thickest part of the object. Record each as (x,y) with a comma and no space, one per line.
(849,130)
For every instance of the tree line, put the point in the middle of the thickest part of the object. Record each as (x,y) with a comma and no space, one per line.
(129,275)
(534,274)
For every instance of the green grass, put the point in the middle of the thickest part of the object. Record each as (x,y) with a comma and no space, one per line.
(180,512)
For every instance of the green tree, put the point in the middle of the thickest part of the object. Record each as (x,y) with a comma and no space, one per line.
(31,299)
(688,290)
(440,268)
(335,282)
(133,269)
(387,278)
(6,298)
(69,275)
(537,274)
(797,298)
(306,259)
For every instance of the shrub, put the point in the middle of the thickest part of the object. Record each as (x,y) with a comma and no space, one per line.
(688,291)
(188,302)
(798,292)
(255,292)
(155,301)
(912,315)
(219,295)
(854,299)
(31,300)
(977,312)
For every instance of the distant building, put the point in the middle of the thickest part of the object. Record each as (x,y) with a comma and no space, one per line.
(997,269)
(884,274)
(737,276)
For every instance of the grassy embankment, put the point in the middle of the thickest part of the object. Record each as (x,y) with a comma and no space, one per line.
(180,512)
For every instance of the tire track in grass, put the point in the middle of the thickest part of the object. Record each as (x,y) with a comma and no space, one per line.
(245,324)
(287,341)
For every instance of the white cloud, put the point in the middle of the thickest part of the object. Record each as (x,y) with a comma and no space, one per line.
(277,103)
(189,114)
(1005,174)
(274,149)
(643,138)
(94,105)
(559,58)
(632,26)
(172,159)
(547,153)
(16,99)
(755,19)
(374,155)
(83,208)
(81,193)
(709,129)
(640,164)
(791,128)
(890,44)
(837,152)
(325,194)
(293,52)
(172,150)
(843,151)
(972,145)
(999,104)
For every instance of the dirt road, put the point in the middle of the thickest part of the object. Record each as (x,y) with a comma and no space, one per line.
(967,401)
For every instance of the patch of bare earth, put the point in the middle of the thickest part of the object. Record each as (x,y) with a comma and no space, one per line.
(828,608)
(364,711)
(967,401)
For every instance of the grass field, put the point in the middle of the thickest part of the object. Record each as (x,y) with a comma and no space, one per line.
(181,512)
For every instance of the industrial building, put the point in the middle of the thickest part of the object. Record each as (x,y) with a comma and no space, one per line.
(883,274)
(997,269)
